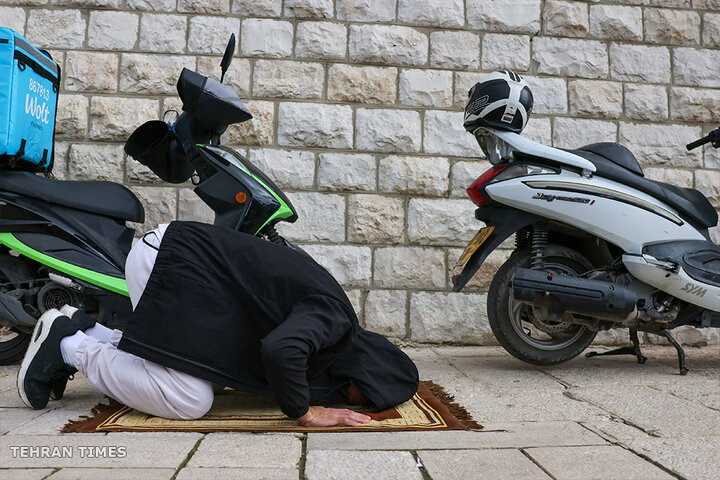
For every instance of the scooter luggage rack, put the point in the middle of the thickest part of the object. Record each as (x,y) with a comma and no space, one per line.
(494,148)
(499,145)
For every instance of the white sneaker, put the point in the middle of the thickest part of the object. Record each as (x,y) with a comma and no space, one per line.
(68,310)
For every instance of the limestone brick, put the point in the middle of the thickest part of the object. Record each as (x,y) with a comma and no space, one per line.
(342,171)
(385,44)
(113,30)
(567,19)
(646,102)
(266,38)
(91,72)
(453,49)
(315,125)
(505,52)
(502,16)
(367,85)
(321,40)
(595,98)
(426,88)
(288,79)
(385,130)
(616,22)
(414,175)
(385,312)
(409,267)
(375,219)
(570,57)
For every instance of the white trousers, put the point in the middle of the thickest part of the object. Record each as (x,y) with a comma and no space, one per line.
(138,383)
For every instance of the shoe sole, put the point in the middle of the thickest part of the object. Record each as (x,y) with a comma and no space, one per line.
(45,326)
(68,310)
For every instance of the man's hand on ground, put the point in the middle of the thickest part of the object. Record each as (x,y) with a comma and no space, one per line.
(330,417)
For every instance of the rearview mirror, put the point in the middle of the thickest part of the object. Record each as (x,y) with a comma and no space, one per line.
(227,57)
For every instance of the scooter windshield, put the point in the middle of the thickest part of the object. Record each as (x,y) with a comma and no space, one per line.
(215,105)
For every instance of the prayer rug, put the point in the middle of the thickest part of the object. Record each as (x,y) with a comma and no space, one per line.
(429,409)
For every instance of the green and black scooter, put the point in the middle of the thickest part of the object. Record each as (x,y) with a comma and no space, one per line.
(65,242)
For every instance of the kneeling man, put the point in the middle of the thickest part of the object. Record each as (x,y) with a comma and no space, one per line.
(216,306)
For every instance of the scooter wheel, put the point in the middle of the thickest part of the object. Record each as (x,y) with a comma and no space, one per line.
(13,344)
(513,323)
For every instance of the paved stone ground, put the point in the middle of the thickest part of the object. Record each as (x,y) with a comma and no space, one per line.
(606,418)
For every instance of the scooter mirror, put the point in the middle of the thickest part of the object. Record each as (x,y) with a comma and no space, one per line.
(227,57)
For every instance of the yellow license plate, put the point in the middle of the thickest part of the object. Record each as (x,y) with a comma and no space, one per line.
(474,244)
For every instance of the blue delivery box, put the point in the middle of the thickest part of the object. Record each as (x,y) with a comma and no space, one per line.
(29,84)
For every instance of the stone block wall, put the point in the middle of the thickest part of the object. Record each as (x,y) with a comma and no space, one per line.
(357,108)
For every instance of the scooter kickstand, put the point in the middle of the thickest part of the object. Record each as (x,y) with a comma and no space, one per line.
(629,350)
(681,353)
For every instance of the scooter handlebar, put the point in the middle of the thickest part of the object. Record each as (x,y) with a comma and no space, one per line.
(713,136)
(697,143)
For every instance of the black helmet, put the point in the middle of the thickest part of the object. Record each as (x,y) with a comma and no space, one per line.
(501,100)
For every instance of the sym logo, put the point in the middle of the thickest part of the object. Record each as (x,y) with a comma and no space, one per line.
(694,289)
(37,110)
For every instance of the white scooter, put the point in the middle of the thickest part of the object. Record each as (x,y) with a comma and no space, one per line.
(597,246)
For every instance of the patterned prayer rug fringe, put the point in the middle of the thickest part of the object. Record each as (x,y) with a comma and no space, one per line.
(455,409)
(89,423)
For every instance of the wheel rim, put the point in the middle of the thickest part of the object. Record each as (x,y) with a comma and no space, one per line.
(7,334)
(521,317)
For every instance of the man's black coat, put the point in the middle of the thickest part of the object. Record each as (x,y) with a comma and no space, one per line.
(258,317)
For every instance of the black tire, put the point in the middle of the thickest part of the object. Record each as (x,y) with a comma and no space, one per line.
(505,328)
(13,344)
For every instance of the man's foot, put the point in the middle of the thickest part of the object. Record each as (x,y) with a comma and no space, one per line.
(68,310)
(58,386)
(43,364)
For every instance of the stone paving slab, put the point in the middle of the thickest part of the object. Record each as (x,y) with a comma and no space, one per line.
(25,473)
(653,410)
(521,404)
(614,430)
(705,391)
(484,464)
(142,450)
(453,352)
(52,421)
(351,465)
(503,372)
(12,418)
(497,435)
(620,370)
(419,354)
(113,474)
(607,462)
(237,474)
(689,456)
(442,372)
(8,377)
(10,399)
(248,450)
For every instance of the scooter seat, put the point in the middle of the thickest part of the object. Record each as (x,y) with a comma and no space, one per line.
(616,153)
(688,201)
(103,198)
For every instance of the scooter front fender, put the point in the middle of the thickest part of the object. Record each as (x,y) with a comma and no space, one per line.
(506,220)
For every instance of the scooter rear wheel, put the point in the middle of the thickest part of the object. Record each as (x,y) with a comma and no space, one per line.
(13,344)
(513,323)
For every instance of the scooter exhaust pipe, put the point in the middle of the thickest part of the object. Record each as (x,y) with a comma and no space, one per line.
(560,294)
